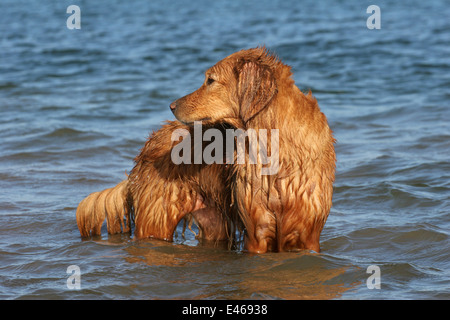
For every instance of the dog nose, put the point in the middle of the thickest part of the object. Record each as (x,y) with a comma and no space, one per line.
(173,106)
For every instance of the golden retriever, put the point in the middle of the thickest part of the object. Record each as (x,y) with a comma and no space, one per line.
(282,211)
(252,89)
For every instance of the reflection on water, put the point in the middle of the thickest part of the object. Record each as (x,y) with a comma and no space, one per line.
(236,275)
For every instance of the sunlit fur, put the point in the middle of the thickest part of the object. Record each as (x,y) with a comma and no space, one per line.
(110,204)
(158,194)
(255,90)
(252,89)
(163,192)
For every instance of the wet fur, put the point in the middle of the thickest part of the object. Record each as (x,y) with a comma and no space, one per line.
(250,89)
(158,194)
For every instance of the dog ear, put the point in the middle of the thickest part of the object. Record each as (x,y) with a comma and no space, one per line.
(256,88)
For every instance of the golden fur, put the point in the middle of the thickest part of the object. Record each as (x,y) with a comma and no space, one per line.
(158,194)
(250,89)
(163,193)
(110,204)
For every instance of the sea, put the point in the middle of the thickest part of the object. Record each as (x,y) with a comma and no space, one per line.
(84,83)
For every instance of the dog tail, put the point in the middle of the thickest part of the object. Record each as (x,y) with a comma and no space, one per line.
(113,204)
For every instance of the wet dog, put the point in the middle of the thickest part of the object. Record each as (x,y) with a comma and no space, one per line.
(282,210)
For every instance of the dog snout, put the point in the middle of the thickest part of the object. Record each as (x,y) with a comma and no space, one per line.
(173,106)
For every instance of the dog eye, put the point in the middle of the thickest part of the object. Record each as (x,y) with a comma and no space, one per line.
(209,81)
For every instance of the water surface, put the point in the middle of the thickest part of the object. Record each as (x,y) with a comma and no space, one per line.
(77,105)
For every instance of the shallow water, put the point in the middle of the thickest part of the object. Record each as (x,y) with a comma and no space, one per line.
(77,105)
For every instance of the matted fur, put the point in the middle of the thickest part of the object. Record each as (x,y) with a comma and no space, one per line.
(252,89)
(111,204)
(158,194)
(163,192)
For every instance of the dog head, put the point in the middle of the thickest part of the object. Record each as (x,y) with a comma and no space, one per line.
(235,89)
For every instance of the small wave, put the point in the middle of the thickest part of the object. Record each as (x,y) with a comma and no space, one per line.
(420,233)
(8,85)
(63,132)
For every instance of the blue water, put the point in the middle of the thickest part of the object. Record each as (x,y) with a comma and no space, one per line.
(77,105)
